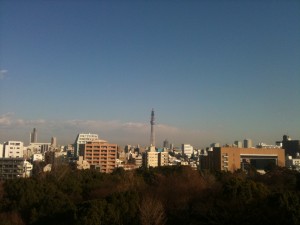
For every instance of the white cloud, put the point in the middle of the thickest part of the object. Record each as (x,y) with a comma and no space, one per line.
(6,119)
(3,74)
(134,125)
(114,131)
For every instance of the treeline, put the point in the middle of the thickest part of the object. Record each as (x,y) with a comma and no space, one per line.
(155,196)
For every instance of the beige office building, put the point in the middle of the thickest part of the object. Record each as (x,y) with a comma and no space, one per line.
(232,158)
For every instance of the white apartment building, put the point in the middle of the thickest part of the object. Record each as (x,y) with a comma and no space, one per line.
(155,159)
(13,149)
(81,140)
(163,158)
(152,159)
(187,150)
(1,150)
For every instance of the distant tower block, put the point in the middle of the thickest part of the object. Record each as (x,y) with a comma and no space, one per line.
(152,122)
(33,136)
(247,143)
(53,142)
(166,143)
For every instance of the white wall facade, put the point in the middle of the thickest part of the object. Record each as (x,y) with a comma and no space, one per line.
(187,149)
(152,159)
(164,158)
(83,139)
(1,150)
(13,149)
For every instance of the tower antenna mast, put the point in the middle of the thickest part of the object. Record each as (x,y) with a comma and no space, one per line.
(152,122)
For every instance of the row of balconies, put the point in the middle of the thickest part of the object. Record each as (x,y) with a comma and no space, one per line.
(102,151)
(102,147)
(102,160)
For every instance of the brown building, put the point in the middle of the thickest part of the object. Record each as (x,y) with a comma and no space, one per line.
(231,158)
(101,153)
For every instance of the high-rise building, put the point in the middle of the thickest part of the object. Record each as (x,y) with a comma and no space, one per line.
(171,146)
(33,136)
(152,157)
(166,144)
(247,143)
(80,142)
(163,158)
(101,153)
(152,122)
(53,142)
(13,149)
(187,150)
(155,158)
(238,144)
(1,151)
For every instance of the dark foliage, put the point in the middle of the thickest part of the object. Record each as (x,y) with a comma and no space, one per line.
(157,196)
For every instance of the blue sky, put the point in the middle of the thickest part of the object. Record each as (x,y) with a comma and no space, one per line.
(214,71)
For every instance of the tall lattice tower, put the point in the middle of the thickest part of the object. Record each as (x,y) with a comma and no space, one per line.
(152,122)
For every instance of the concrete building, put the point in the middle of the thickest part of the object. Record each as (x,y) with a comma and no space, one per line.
(101,153)
(238,144)
(13,149)
(11,168)
(138,160)
(163,158)
(292,147)
(247,143)
(33,136)
(39,147)
(1,151)
(80,142)
(70,150)
(56,158)
(53,142)
(151,157)
(166,144)
(154,158)
(187,150)
(231,159)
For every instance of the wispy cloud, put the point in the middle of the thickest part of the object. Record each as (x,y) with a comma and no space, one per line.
(3,74)
(6,119)
(116,131)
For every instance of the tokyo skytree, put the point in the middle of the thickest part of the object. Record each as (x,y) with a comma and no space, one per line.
(152,137)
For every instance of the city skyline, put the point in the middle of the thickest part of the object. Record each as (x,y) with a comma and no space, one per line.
(212,71)
(135,129)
